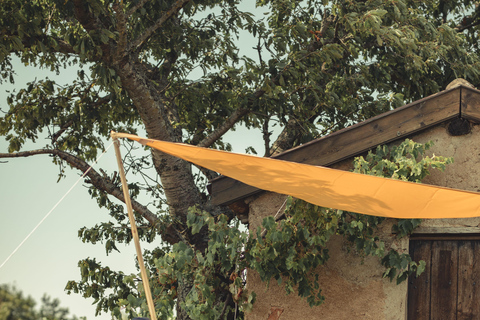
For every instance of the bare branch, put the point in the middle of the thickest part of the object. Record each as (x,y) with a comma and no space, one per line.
(259,50)
(179,4)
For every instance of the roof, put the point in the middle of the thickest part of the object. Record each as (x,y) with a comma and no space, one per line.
(459,102)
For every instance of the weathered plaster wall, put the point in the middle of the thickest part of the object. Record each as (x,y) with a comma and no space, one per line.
(463,174)
(354,287)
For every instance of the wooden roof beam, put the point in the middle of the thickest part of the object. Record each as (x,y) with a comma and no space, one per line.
(354,140)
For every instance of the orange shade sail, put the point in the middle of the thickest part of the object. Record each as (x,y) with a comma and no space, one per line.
(329,187)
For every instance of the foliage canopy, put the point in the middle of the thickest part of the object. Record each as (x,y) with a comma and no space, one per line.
(178,71)
(15,306)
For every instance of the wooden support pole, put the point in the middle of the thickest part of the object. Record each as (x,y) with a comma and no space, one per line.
(136,240)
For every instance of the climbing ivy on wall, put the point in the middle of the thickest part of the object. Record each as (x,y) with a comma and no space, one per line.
(293,247)
(288,249)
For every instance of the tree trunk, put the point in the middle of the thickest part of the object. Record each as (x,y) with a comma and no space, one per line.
(175,174)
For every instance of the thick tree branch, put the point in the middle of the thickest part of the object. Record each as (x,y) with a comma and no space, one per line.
(463,27)
(86,19)
(96,179)
(136,7)
(55,44)
(266,137)
(220,131)
(227,302)
(209,174)
(62,46)
(287,137)
(89,22)
(470,21)
(121,28)
(179,4)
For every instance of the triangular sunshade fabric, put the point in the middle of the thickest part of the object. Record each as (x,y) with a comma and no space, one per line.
(329,187)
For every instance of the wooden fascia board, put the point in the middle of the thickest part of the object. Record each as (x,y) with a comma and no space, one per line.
(470,104)
(361,137)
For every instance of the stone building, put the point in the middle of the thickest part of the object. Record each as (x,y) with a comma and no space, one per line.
(354,287)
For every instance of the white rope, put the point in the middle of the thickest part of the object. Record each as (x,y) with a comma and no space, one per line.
(55,206)
(279,209)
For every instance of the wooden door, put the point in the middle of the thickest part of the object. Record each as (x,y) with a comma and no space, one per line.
(449,287)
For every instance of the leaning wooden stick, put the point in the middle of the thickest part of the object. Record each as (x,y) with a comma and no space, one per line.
(128,202)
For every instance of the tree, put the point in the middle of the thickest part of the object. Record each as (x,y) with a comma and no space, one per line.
(318,67)
(50,309)
(15,306)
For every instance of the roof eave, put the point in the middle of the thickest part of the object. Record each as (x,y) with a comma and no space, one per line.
(397,124)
